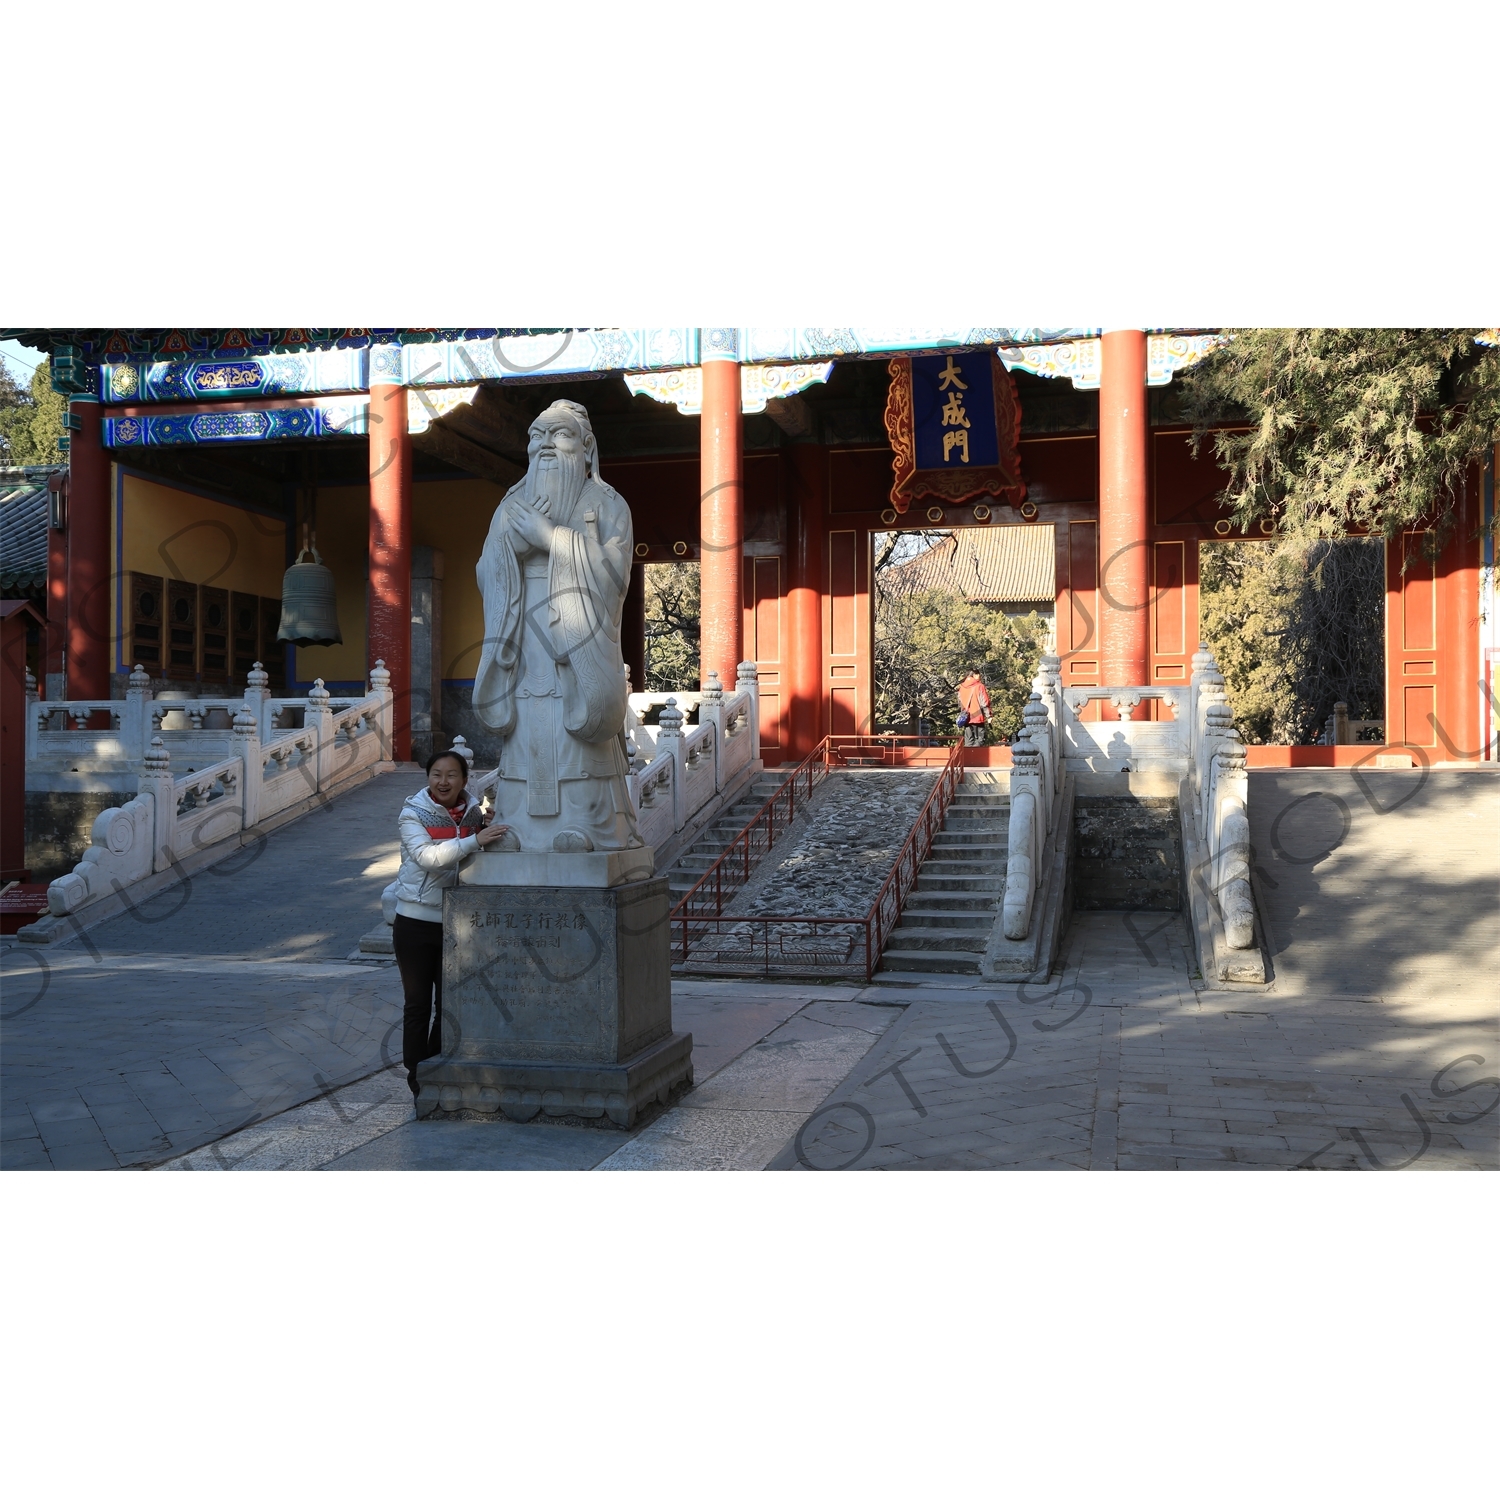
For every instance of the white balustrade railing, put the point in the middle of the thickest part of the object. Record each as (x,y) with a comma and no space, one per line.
(1220,798)
(172,817)
(59,736)
(1036,777)
(1199,742)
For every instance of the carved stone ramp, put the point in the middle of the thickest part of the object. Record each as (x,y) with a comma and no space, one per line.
(831,865)
(1379,885)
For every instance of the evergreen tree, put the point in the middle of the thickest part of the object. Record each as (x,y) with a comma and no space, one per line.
(31,421)
(1349,429)
(1296,627)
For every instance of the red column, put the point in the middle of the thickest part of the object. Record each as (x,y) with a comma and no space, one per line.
(88,664)
(1460,698)
(722,527)
(803,654)
(55,639)
(388,632)
(1124,619)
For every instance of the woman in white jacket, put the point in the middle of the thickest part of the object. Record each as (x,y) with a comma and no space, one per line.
(441,827)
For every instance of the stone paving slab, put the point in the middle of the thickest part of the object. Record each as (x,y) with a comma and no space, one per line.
(369,1125)
(745,1115)
(1122,1062)
(144,1057)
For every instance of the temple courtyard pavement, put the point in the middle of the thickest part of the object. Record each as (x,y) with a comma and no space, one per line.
(229,1024)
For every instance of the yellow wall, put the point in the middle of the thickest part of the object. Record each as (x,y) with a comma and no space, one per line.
(454,516)
(174,533)
(451,515)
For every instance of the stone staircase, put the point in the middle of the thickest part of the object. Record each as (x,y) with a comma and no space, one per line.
(945,926)
(717,836)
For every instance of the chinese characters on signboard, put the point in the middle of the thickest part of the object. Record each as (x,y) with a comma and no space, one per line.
(954,424)
(953,412)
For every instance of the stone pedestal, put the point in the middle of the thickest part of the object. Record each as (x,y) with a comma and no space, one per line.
(557,999)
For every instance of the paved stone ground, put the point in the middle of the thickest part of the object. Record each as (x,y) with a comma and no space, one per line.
(1381,883)
(1124,1062)
(197,1031)
(220,1001)
(370,1126)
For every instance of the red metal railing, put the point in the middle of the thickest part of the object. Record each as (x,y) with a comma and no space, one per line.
(826,945)
(716,886)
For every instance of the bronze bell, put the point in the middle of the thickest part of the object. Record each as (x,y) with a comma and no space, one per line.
(309,611)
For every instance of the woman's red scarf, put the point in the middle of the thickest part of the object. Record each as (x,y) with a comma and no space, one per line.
(454,822)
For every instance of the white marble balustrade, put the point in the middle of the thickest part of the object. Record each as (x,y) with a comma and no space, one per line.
(173,817)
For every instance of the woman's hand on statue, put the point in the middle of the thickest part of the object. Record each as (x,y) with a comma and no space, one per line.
(492,834)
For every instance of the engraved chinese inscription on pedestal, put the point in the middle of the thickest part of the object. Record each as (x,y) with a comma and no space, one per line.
(556,999)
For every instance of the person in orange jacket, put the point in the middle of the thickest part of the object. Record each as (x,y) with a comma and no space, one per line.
(974,703)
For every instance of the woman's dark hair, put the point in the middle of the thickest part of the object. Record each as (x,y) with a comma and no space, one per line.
(438,755)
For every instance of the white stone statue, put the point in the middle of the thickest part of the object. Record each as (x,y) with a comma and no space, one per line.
(551,679)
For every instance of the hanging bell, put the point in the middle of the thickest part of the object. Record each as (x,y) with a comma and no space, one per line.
(309,611)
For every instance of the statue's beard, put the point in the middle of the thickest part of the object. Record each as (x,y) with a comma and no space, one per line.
(551,488)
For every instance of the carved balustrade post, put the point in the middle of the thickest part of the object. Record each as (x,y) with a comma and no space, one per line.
(1202,669)
(1230,842)
(747,680)
(1218,726)
(258,699)
(711,711)
(318,717)
(1025,838)
(135,721)
(1039,733)
(247,740)
(1047,682)
(669,742)
(380,686)
(156,782)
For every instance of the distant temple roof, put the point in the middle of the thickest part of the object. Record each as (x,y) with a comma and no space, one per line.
(23,530)
(988,564)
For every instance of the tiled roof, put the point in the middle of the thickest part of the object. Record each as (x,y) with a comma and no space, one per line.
(989,564)
(23,530)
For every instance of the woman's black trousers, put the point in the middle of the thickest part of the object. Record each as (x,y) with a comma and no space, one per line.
(419,956)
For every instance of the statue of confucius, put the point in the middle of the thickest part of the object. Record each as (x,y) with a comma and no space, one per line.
(551,678)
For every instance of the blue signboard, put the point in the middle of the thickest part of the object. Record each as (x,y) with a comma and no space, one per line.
(953,411)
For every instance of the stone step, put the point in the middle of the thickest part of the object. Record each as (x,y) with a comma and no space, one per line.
(961,885)
(929,963)
(939,940)
(958,921)
(967,852)
(952,901)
